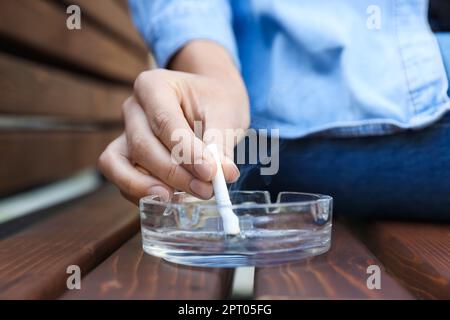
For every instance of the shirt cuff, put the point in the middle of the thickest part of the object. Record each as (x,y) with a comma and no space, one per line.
(172,29)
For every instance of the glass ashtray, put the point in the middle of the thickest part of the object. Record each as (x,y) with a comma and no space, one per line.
(189,231)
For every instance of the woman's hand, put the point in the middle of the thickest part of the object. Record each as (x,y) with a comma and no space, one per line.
(159,126)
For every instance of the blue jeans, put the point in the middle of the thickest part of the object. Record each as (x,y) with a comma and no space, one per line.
(405,175)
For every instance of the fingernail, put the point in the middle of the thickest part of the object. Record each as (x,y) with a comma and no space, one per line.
(235,169)
(161,192)
(201,189)
(203,169)
(238,175)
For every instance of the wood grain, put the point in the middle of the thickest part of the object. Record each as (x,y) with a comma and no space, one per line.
(33,262)
(338,274)
(111,15)
(132,274)
(33,157)
(417,253)
(31,89)
(123,4)
(41,25)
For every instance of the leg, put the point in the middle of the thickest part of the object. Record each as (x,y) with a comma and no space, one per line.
(406,175)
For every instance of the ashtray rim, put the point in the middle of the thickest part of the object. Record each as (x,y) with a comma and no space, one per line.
(319,198)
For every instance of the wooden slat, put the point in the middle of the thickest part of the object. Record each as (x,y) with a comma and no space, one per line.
(32,89)
(132,274)
(33,157)
(417,253)
(34,261)
(41,25)
(122,4)
(111,15)
(338,274)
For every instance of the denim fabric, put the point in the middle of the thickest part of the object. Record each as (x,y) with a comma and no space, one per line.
(404,175)
(444,44)
(316,66)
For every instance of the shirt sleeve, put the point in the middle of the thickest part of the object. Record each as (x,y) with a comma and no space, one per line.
(167,25)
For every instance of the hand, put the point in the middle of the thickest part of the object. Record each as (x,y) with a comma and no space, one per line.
(165,103)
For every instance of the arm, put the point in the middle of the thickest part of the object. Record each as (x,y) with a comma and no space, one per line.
(202,85)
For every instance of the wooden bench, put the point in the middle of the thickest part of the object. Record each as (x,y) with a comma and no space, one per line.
(60,106)
(418,254)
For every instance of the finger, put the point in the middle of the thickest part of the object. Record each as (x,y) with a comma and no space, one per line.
(117,168)
(162,107)
(147,151)
(130,198)
(230,170)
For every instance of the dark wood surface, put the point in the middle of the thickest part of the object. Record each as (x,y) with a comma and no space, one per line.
(417,253)
(339,274)
(29,88)
(122,4)
(32,157)
(34,261)
(41,26)
(111,15)
(132,274)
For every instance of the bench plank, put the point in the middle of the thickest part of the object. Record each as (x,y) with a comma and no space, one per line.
(33,157)
(338,274)
(132,274)
(417,253)
(123,4)
(32,89)
(35,260)
(41,25)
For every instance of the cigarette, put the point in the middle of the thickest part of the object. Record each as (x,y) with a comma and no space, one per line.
(229,219)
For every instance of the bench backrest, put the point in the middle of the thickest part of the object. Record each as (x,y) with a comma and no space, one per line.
(61,90)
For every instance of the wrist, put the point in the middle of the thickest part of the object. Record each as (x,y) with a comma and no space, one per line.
(211,60)
(206,58)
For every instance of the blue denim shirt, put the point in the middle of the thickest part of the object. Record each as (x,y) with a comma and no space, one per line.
(341,67)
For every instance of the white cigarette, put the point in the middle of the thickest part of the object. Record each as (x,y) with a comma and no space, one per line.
(229,219)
